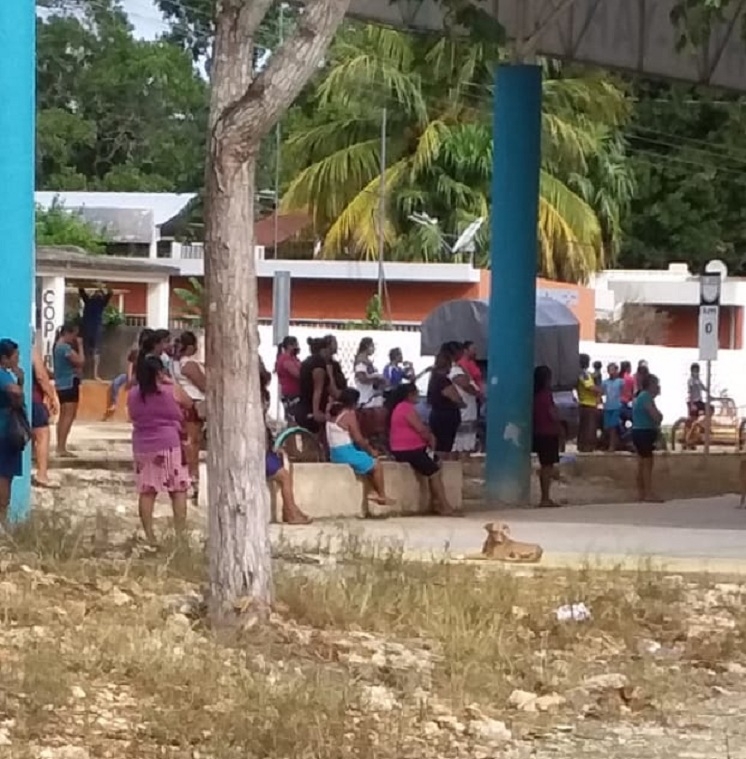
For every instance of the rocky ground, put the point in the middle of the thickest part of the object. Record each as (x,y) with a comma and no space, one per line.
(105,652)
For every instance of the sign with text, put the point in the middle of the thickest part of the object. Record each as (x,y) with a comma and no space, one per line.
(709,316)
(49,320)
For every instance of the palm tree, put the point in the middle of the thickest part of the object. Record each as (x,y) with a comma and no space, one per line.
(438,98)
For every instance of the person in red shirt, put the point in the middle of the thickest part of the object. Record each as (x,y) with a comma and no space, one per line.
(287,369)
(468,362)
(546,431)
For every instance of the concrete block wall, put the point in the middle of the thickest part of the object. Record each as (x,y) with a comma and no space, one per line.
(332,491)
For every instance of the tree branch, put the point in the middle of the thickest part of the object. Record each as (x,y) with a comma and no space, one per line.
(243,124)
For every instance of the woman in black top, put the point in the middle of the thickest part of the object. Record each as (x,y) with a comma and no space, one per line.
(336,375)
(314,381)
(445,404)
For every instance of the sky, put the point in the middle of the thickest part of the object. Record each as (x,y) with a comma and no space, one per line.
(145,17)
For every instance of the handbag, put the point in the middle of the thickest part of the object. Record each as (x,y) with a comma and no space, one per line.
(19,430)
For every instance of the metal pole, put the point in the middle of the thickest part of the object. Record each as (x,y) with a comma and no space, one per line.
(382,206)
(17,84)
(708,406)
(278,144)
(512,313)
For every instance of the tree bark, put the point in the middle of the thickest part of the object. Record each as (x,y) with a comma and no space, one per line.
(244,107)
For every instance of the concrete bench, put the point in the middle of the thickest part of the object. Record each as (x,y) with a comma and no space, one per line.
(332,491)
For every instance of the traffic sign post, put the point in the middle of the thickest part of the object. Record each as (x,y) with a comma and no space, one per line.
(709,336)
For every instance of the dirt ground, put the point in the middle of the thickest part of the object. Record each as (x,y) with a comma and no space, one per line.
(105,651)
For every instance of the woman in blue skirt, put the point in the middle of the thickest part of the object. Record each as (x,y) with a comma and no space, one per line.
(347,445)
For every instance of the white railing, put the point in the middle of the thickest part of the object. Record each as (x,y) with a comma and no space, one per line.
(194,251)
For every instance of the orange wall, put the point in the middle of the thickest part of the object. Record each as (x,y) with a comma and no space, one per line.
(342,300)
(135,298)
(683,326)
(584,309)
(410,301)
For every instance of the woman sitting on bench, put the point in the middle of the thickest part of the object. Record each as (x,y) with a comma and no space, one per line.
(348,446)
(409,441)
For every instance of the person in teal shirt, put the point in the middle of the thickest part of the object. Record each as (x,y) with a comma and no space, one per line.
(68,359)
(11,395)
(646,422)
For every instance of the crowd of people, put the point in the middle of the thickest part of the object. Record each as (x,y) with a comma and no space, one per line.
(614,412)
(354,420)
(454,396)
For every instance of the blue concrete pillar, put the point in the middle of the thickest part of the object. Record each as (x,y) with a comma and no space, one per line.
(17,152)
(515,204)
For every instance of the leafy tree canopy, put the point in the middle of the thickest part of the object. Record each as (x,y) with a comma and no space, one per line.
(58,226)
(114,112)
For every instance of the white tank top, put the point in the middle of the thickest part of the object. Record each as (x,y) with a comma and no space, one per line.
(187,385)
(335,435)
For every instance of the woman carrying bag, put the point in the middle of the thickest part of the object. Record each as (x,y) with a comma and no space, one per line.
(15,430)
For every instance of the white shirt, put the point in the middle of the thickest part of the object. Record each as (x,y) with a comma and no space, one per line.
(187,385)
(369,396)
(336,436)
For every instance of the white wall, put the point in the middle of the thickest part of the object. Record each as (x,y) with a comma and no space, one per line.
(671,365)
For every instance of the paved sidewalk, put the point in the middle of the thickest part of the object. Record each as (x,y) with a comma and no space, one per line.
(691,535)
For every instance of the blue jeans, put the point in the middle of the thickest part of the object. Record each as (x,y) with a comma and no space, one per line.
(116,387)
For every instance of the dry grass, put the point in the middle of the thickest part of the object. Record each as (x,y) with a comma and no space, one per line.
(93,653)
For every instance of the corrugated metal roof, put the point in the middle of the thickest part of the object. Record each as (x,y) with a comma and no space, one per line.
(72,258)
(123,226)
(163,205)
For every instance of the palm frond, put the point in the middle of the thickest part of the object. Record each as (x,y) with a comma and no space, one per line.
(319,140)
(429,145)
(357,226)
(570,237)
(324,187)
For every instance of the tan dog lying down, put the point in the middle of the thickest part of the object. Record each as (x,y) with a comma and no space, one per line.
(500,546)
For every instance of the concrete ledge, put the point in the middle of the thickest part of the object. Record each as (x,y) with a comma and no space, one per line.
(412,492)
(680,474)
(332,491)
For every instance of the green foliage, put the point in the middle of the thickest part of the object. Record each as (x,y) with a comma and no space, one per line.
(114,112)
(630,181)
(193,300)
(688,154)
(113,317)
(694,19)
(438,95)
(58,226)
(374,316)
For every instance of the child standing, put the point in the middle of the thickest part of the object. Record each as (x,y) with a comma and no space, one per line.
(613,387)
(695,393)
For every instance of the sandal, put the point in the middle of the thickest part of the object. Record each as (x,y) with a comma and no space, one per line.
(43,485)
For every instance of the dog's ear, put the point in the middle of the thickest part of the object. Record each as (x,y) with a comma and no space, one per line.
(490,527)
(504,529)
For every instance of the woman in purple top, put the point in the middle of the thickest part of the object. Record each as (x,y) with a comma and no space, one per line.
(156,408)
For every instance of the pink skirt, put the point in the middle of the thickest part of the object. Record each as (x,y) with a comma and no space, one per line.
(162,472)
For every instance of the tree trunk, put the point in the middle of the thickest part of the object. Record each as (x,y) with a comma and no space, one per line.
(244,107)
(239,554)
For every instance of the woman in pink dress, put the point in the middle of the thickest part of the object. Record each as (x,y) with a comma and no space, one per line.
(156,408)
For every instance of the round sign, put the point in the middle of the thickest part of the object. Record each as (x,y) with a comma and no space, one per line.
(709,290)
